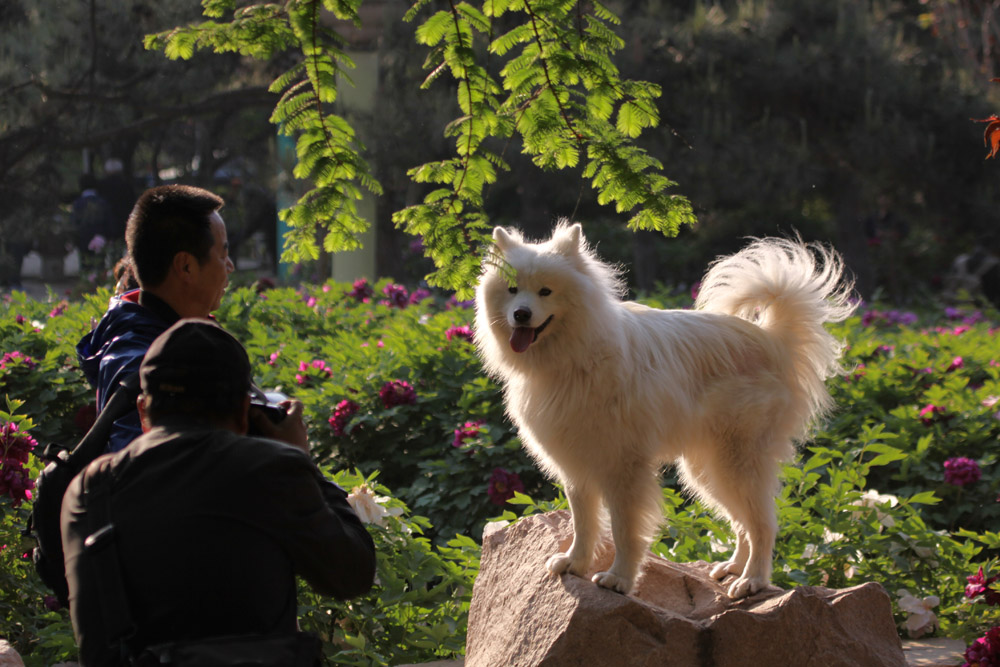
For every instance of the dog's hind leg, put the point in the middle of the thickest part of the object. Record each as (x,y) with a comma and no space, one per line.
(584,503)
(749,499)
(741,555)
(635,504)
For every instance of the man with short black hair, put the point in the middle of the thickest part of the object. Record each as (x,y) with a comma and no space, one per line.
(179,253)
(195,532)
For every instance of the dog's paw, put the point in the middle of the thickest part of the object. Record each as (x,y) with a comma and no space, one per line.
(562,563)
(722,570)
(613,581)
(745,586)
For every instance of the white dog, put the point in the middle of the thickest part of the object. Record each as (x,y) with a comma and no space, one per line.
(605,392)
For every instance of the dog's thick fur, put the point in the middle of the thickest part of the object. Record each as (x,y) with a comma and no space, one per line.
(605,392)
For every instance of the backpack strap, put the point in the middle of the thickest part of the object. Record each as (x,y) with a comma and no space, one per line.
(43,522)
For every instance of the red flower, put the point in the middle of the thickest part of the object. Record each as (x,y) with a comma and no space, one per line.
(342,415)
(468,431)
(397,392)
(503,484)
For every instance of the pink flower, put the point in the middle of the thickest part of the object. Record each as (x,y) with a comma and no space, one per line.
(361,290)
(97,243)
(311,302)
(468,431)
(310,369)
(985,651)
(16,358)
(20,319)
(59,309)
(397,392)
(503,484)
(398,296)
(956,363)
(961,471)
(931,413)
(273,358)
(462,333)
(980,585)
(342,415)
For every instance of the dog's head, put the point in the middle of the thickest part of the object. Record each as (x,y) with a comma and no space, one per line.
(530,293)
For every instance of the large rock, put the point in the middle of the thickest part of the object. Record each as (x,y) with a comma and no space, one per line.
(8,656)
(678,616)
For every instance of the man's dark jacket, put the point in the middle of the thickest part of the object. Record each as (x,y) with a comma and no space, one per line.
(115,348)
(210,529)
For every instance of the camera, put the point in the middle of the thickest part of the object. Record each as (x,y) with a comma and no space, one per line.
(268,403)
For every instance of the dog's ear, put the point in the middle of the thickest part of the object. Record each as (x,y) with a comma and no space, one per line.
(502,238)
(568,239)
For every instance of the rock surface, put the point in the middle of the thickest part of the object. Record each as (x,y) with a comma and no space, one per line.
(677,616)
(8,656)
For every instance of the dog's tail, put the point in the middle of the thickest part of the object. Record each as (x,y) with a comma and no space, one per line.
(791,289)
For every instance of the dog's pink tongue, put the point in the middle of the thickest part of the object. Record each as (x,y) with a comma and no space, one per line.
(521,338)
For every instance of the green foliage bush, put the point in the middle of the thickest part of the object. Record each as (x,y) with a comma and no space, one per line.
(867,500)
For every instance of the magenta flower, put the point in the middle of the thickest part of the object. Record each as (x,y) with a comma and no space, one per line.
(462,333)
(398,296)
(980,585)
(418,296)
(311,302)
(961,471)
(271,360)
(931,413)
(985,651)
(468,431)
(15,448)
(20,319)
(503,484)
(455,303)
(342,415)
(16,358)
(956,363)
(397,392)
(361,290)
(59,309)
(310,369)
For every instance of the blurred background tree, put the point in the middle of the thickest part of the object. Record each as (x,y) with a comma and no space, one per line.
(842,121)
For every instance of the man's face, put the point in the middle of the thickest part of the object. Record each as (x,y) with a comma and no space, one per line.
(214,273)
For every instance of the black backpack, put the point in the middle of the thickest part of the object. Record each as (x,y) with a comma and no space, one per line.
(51,485)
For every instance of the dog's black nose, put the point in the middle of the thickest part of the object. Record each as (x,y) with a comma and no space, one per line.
(522,315)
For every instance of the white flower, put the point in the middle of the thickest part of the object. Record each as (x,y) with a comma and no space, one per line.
(369,507)
(920,619)
(874,499)
(990,401)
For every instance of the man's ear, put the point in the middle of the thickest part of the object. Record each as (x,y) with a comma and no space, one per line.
(184,265)
(141,402)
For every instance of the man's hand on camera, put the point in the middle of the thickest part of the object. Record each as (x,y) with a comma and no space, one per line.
(290,430)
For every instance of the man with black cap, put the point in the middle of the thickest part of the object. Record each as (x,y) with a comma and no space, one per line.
(187,542)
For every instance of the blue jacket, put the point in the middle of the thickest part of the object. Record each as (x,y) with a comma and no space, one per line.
(113,350)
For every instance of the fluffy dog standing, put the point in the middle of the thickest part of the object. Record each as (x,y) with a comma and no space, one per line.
(605,392)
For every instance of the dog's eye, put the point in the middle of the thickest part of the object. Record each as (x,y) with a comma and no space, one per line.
(512,290)
(545,291)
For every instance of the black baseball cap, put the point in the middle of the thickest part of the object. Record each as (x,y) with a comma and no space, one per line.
(195,357)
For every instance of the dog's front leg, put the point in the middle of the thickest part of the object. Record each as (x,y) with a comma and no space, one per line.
(584,503)
(634,503)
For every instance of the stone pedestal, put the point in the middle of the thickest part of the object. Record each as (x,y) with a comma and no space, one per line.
(678,616)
